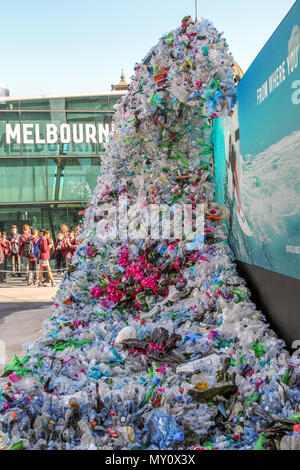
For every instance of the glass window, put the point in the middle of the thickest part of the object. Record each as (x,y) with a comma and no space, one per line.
(13,148)
(9,105)
(72,179)
(49,216)
(22,180)
(92,103)
(11,215)
(34,104)
(113,99)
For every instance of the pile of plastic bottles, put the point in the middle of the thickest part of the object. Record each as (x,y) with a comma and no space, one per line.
(155,343)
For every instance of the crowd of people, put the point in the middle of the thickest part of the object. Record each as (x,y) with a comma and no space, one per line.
(34,249)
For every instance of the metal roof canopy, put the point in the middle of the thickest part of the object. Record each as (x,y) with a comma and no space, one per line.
(48,97)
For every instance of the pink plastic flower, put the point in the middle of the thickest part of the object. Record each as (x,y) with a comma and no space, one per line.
(96,292)
(150,282)
(89,250)
(136,292)
(212,334)
(176,264)
(162,369)
(123,258)
(172,247)
(142,260)
(194,256)
(135,271)
(155,347)
(113,293)
(166,292)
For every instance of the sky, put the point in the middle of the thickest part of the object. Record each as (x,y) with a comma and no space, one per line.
(76,46)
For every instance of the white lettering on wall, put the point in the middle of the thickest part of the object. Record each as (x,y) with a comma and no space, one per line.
(27,133)
(51,133)
(65,133)
(37,135)
(77,136)
(90,133)
(103,131)
(13,134)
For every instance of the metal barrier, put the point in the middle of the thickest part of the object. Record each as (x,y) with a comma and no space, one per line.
(25,272)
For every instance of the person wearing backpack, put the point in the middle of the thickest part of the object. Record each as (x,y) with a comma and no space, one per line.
(45,244)
(15,258)
(33,260)
(6,246)
(26,248)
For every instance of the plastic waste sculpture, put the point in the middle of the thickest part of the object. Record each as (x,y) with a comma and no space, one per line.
(153,342)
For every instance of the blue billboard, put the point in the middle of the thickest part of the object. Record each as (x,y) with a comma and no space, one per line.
(257,156)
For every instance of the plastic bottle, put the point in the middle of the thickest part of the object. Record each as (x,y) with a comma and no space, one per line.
(162,430)
(291,442)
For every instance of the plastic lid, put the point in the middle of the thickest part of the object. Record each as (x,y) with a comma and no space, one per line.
(296,428)
(179,436)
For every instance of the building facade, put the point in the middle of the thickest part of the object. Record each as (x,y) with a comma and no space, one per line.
(50,154)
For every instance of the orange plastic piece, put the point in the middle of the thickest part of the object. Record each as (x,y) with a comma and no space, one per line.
(211,217)
(202,386)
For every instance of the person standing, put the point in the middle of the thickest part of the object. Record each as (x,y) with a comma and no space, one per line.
(60,261)
(45,252)
(6,250)
(33,260)
(1,264)
(24,245)
(14,239)
(45,276)
(71,244)
(64,230)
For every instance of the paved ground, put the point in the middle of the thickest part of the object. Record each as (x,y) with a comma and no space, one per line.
(23,309)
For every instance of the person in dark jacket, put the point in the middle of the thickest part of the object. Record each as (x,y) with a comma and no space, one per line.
(23,238)
(32,276)
(15,258)
(45,253)
(60,261)
(6,250)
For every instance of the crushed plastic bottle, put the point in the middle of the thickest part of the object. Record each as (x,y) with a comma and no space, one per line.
(162,431)
(291,442)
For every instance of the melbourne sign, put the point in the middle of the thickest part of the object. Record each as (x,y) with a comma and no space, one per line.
(52,133)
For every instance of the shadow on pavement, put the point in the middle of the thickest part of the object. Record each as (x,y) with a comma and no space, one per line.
(6,308)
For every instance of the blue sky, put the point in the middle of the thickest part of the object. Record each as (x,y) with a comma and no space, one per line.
(76,46)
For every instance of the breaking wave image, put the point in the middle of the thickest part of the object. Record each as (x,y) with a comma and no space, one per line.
(271,203)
